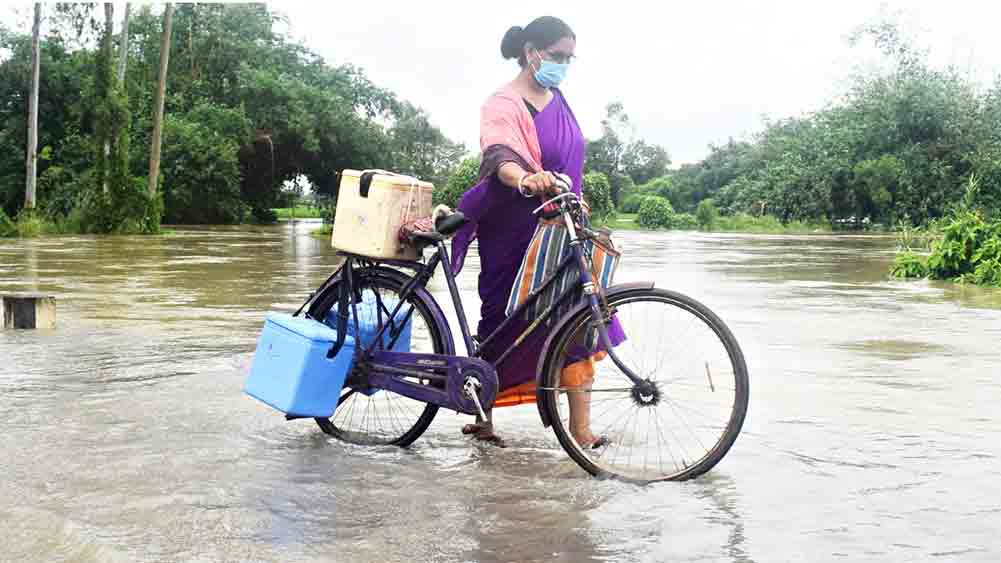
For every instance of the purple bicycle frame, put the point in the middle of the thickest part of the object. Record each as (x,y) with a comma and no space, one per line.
(381,376)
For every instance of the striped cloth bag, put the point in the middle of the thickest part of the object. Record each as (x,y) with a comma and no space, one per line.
(549,246)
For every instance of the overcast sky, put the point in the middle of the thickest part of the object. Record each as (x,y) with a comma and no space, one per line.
(689,73)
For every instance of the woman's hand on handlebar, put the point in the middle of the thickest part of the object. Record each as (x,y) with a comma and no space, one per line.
(541,183)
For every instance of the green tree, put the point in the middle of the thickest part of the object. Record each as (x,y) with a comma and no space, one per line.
(643,162)
(463,177)
(707,215)
(597,194)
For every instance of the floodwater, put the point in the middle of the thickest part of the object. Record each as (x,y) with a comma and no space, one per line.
(871,434)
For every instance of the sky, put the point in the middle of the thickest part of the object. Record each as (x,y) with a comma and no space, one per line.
(689,73)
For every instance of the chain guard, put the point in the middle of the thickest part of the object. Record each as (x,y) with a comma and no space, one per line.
(455,370)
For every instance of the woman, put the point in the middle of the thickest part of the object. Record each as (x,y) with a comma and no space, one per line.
(527,133)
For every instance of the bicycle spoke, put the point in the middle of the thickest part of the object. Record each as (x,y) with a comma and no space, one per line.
(695,385)
(383,417)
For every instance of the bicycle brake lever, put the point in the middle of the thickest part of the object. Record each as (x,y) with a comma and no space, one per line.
(565,195)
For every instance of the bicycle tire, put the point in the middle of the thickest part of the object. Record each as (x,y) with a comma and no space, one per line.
(426,310)
(590,459)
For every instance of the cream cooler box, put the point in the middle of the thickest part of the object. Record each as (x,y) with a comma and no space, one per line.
(371,207)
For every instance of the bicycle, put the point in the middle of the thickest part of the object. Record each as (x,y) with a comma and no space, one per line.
(683,396)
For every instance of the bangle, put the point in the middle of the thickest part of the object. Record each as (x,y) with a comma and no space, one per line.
(521,187)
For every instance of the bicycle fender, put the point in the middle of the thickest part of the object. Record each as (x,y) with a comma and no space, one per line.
(561,325)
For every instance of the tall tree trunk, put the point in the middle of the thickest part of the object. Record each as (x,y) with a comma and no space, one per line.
(31,159)
(161,90)
(123,57)
(109,25)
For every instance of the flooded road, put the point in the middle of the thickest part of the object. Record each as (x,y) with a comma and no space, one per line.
(872,431)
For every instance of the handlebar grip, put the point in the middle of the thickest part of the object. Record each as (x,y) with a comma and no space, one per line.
(564,182)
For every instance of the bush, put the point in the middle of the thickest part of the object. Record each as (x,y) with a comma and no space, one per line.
(462,178)
(29,224)
(967,247)
(707,215)
(685,222)
(656,213)
(126,209)
(7,227)
(909,265)
(742,222)
(633,202)
(598,194)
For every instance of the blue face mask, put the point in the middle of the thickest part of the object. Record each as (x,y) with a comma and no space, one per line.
(550,74)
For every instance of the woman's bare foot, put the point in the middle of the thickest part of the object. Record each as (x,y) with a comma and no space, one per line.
(586,439)
(483,430)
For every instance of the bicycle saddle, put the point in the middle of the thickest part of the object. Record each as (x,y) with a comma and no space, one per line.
(447,224)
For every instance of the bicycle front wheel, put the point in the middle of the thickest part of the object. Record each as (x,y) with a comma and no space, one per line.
(379,417)
(678,426)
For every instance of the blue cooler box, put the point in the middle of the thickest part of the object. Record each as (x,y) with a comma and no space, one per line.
(291,371)
(368,322)
(368,325)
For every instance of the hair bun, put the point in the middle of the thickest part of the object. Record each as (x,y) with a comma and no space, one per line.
(513,42)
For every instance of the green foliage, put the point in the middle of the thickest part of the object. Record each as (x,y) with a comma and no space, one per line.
(895,147)
(201,171)
(598,194)
(299,212)
(706,215)
(744,223)
(463,177)
(29,224)
(967,247)
(7,227)
(126,209)
(920,238)
(644,162)
(624,163)
(632,203)
(909,264)
(251,107)
(656,213)
(876,182)
(685,222)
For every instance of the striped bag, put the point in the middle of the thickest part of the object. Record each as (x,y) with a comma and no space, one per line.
(549,246)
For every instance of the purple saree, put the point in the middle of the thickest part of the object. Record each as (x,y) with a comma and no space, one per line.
(502,221)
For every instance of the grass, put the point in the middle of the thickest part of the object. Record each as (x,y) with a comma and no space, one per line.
(323,232)
(740,223)
(767,224)
(301,212)
(623,222)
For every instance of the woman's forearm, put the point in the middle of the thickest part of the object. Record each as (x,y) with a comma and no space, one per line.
(510,173)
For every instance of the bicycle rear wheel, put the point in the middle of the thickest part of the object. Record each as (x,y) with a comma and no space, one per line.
(677,428)
(378,417)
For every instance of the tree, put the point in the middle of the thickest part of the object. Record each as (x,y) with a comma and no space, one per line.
(123,55)
(707,215)
(643,162)
(161,90)
(32,152)
(598,194)
(463,177)
(605,153)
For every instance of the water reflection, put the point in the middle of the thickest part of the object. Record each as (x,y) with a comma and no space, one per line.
(870,432)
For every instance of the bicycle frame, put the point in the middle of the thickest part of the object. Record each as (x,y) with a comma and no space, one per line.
(423,273)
